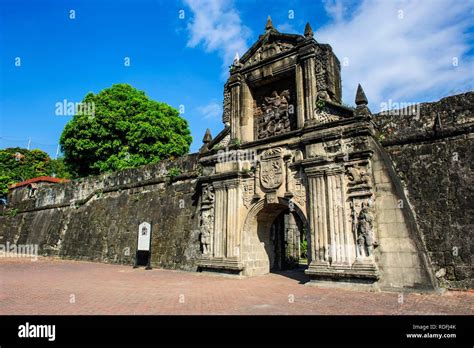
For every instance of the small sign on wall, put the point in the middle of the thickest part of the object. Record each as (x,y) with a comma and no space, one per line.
(143,255)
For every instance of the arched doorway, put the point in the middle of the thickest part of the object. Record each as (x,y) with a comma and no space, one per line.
(273,237)
(287,241)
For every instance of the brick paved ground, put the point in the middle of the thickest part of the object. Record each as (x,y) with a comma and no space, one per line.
(47,286)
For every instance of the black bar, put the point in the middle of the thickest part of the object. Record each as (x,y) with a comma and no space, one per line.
(302,331)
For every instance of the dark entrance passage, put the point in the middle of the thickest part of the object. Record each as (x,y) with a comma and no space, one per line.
(288,241)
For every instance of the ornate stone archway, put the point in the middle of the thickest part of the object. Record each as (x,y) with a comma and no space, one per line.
(288,138)
(256,233)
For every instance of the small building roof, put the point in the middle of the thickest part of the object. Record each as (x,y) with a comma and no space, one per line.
(49,179)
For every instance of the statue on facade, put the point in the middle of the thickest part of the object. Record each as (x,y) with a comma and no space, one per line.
(365,235)
(206,227)
(207,218)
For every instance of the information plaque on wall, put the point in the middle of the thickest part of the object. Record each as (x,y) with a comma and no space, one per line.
(144,233)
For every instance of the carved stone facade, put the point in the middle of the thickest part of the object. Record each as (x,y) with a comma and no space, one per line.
(273,116)
(309,185)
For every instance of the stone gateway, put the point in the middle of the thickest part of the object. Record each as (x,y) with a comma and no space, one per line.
(295,177)
(315,165)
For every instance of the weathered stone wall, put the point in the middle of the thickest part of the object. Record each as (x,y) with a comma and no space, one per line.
(432,153)
(97,218)
(401,254)
(425,163)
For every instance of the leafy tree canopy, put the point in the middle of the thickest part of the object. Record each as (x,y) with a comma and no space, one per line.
(18,164)
(126,129)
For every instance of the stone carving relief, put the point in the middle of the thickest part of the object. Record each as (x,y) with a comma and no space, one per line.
(223,143)
(271,169)
(208,195)
(360,196)
(358,175)
(226,108)
(321,115)
(321,63)
(268,50)
(271,197)
(358,144)
(299,191)
(365,235)
(206,228)
(332,147)
(248,192)
(207,218)
(273,116)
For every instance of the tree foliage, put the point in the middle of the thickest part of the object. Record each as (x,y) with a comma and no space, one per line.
(127,130)
(18,164)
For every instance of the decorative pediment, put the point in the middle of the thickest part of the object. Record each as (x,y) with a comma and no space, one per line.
(267,50)
(269,45)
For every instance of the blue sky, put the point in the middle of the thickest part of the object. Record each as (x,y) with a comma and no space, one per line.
(406,51)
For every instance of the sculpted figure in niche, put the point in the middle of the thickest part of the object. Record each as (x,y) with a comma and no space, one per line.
(207,222)
(274,113)
(365,235)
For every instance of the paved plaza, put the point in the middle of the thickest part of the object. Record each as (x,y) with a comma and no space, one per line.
(52,286)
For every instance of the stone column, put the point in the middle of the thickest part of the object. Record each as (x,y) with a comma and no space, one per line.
(233,239)
(348,245)
(235,92)
(318,218)
(332,221)
(337,224)
(322,218)
(220,221)
(309,79)
(300,115)
(246,123)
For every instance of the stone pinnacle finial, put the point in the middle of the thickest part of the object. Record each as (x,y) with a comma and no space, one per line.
(361,99)
(236,57)
(207,137)
(308,31)
(269,25)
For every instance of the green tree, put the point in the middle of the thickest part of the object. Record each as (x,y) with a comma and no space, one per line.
(126,130)
(59,169)
(5,181)
(18,164)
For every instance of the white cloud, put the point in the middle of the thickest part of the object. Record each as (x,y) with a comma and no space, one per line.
(402,50)
(335,9)
(287,28)
(217,26)
(211,111)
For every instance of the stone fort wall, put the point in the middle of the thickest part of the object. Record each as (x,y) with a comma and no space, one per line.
(432,155)
(97,218)
(426,161)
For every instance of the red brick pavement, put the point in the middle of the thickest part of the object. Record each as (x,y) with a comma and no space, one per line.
(48,286)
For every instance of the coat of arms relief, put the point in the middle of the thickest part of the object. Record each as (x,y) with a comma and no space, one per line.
(271,169)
